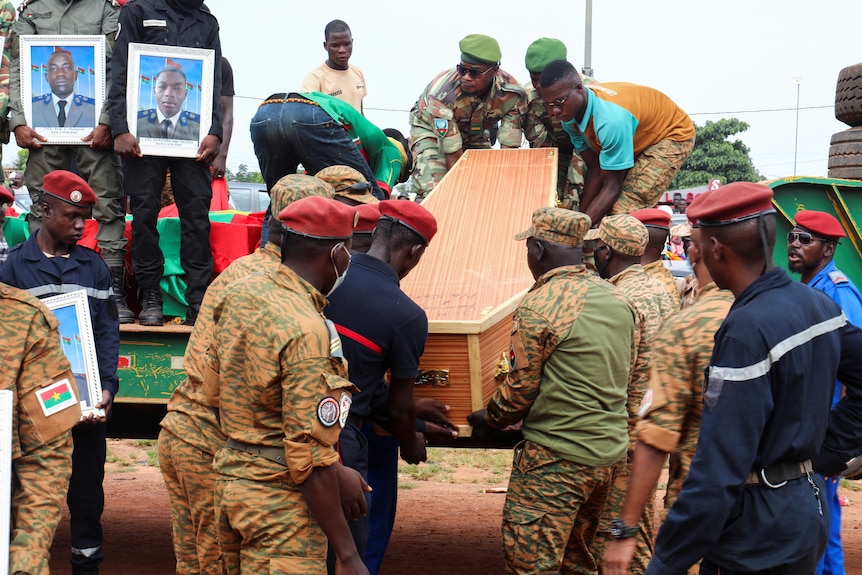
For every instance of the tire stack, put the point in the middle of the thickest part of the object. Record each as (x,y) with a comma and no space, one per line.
(845,151)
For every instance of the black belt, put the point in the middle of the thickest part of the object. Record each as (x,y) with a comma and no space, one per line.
(284,98)
(275,454)
(779,473)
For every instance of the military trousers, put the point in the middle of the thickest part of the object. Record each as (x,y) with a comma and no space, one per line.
(190,481)
(86,497)
(192,184)
(266,527)
(552,509)
(102,170)
(651,175)
(286,134)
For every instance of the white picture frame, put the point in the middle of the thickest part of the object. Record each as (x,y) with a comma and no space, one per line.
(148,69)
(72,310)
(87,98)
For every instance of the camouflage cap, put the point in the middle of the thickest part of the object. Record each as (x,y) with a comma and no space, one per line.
(294,187)
(479,49)
(543,51)
(557,225)
(622,232)
(349,183)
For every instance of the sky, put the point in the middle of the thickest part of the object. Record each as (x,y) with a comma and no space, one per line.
(752,60)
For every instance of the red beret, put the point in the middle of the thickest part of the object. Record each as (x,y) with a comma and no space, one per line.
(411,215)
(319,218)
(820,223)
(69,187)
(730,204)
(6,197)
(653,217)
(368,216)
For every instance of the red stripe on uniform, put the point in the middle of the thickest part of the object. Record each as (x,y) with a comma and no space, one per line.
(358,338)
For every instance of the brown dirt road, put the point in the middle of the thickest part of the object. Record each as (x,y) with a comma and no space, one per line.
(451,528)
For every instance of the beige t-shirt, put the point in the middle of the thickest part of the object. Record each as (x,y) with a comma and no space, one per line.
(347,85)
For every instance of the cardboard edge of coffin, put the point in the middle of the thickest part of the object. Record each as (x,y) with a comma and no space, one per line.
(474,273)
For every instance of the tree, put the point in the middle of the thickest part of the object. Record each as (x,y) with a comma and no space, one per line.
(243,174)
(715,156)
(20,163)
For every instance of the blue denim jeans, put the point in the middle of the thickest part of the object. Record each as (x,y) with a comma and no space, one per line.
(287,134)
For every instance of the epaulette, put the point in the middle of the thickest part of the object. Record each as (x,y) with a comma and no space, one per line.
(837,277)
(80,99)
(149,114)
(43,98)
(187,116)
(24,4)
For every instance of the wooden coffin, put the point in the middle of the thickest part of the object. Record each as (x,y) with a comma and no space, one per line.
(474,274)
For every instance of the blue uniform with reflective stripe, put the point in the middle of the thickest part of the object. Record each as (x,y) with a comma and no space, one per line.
(766,400)
(831,281)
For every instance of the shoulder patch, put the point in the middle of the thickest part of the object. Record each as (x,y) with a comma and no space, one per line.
(646,403)
(328,411)
(56,397)
(837,277)
(441,126)
(517,353)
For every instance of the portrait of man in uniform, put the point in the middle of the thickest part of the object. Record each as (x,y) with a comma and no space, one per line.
(62,79)
(168,120)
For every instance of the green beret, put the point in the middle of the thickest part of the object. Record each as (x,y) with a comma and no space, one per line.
(542,52)
(479,49)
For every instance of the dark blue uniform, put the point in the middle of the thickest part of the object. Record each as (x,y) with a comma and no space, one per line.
(381,329)
(29,269)
(155,22)
(766,400)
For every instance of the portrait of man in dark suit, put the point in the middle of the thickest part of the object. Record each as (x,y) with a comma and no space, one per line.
(61,107)
(168,120)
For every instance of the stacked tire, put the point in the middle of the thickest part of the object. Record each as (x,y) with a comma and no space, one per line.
(845,150)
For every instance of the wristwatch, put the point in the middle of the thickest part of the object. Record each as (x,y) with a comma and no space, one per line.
(620,530)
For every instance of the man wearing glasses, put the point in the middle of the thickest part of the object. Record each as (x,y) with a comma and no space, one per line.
(633,138)
(458,109)
(810,248)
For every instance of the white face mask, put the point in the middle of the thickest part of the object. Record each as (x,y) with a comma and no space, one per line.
(339,279)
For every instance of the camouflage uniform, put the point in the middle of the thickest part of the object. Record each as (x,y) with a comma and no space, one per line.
(41,445)
(545,131)
(100,168)
(572,348)
(7,19)
(681,351)
(652,305)
(190,433)
(658,271)
(444,120)
(282,390)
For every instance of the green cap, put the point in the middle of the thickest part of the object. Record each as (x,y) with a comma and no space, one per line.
(542,52)
(295,187)
(622,232)
(557,225)
(479,49)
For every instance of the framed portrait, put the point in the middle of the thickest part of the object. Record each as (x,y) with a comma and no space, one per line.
(76,338)
(63,85)
(169,97)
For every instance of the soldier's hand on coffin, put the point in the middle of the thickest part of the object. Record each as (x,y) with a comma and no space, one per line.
(435,412)
(438,433)
(414,452)
(481,430)
(352,488)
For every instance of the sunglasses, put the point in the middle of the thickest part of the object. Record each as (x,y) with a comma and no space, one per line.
(804,238)
(560,102)
(357,188)
(472,72)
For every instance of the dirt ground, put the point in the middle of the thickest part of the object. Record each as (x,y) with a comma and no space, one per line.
(449,524)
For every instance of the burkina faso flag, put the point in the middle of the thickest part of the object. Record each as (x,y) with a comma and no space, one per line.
(56,396)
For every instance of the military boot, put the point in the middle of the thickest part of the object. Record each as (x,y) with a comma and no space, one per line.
(151,307)
(118,286)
